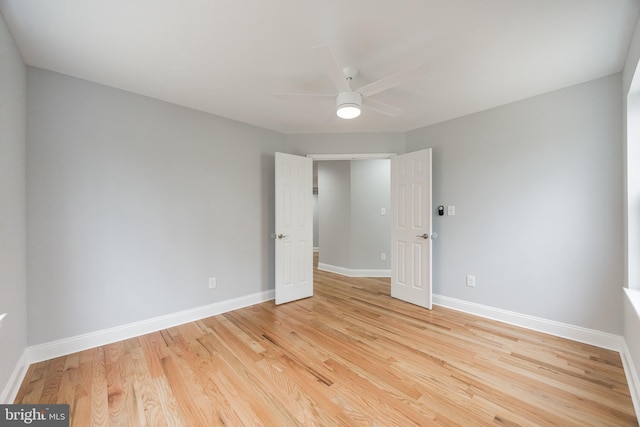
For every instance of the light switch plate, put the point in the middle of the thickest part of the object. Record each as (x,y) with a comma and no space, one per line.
(451,210)
(471,280)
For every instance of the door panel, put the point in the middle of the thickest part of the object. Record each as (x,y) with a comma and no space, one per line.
(411,227)
(294,227)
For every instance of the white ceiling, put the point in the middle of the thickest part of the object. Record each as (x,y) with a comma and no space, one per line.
(227,57)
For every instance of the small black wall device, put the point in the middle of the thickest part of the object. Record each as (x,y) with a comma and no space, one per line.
(440,210)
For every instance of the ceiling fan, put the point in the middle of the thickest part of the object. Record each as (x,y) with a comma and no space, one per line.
(349,102)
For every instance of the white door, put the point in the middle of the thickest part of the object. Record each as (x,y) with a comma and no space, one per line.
(294,227)
(411,227)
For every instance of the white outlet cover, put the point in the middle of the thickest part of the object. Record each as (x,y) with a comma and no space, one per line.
(451,210)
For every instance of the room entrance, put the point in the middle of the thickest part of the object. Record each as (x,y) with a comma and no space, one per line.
(411,210)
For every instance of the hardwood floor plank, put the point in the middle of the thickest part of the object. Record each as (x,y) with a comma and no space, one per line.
(33,384)
(148,400)
(67,390)
(117,389)
(348,356)
(51,384)
(99,394)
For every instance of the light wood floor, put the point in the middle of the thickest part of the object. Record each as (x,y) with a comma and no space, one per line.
(349,356)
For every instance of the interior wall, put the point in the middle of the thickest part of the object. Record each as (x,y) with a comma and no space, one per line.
(631,94)
(13,333)
(134,203)
(353,233)
(347,143)
(370,230)
(315,207)
(316,231)
(334,205)
(633,191)
(537,186)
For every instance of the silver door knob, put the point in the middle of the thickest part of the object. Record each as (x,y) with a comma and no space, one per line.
(424,236)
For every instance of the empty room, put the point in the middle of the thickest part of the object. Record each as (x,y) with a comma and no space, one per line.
(320,213)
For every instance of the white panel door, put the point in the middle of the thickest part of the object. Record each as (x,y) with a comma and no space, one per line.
(411,227)
(294,227)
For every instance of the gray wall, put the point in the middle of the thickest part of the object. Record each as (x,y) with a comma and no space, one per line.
(370,231)
(13,285)
(316,232)
(134,203)
(334,207)
(341,143)
(537,186)
(352,231)
(631,92)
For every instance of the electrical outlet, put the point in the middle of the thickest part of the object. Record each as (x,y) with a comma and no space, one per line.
(383,211)
(451,210)
(471,280)
(213,283)
(383,256)
(2,316)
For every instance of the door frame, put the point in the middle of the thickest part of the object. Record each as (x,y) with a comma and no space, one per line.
(352,156)
(358,156)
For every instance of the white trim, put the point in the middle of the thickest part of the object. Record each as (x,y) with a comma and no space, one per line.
(632,376)
(563,330)
(634,298)
(350,272)
(70,345)
(360,156)
(12,387)
(316,249)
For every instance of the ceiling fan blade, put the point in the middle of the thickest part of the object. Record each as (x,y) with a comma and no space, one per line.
(391,81)
(381,107)
(302,95)
(333,69)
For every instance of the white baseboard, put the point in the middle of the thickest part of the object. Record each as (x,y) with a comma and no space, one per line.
(353,272)
(575,333)
(632,376)
(15,380)
(70,345)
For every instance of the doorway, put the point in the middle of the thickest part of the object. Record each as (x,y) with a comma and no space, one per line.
(352,216)
(411,206)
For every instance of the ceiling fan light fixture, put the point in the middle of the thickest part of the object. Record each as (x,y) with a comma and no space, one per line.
(348,105)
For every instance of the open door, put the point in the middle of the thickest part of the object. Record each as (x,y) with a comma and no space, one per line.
(294,227)
(411,227)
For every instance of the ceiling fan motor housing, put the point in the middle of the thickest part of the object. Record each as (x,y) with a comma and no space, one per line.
(348,101)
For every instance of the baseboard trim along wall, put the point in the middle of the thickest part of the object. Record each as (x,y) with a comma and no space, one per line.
(350,272)
(15,381)
(65,346)
(632,376)
(563,330)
